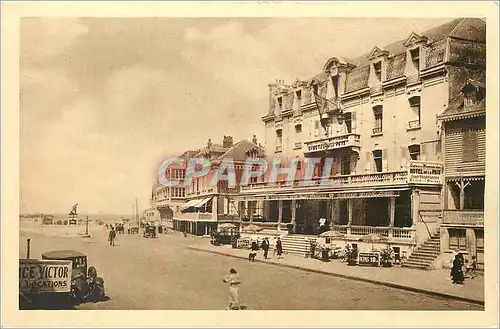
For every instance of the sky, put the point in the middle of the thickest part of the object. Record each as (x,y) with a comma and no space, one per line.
(105,100)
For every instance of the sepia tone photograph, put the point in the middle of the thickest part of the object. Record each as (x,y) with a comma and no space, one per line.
(253,163)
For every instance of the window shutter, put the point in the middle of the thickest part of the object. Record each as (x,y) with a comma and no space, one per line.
(369,161)
(353,122)
(385,163)
(469,146)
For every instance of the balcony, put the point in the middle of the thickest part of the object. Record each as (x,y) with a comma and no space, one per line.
(332,143)
(406,234)
(195,216)
(413,79)
(414,124)
(464,217)
(279,148)
(297,145)
(418,172)
(377,131)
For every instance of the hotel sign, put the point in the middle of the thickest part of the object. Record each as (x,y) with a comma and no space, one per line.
(324,196)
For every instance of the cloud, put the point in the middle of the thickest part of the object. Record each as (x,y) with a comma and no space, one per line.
(45,37)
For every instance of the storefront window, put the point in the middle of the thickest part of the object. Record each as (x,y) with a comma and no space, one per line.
(457,239)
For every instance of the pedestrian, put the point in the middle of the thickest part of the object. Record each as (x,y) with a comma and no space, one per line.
(457,274)
(112,236)
(265,247)
(234,281)
(279,248)
(471,268)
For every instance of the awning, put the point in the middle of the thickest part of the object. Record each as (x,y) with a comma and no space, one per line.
(201,202)
(189,204)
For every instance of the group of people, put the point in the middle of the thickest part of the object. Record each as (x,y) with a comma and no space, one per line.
(457,273)
(265,245)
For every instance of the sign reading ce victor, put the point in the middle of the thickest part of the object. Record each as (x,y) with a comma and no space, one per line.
(42,276)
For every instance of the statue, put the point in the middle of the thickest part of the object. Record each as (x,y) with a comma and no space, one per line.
(73,211)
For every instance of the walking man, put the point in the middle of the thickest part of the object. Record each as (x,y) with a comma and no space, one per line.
(265,247)
(234,281)
(112,236)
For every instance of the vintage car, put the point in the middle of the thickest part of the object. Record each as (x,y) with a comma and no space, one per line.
(149,232)
(85,284)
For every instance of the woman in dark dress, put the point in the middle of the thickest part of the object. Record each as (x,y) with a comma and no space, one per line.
(456,271)
(279,248)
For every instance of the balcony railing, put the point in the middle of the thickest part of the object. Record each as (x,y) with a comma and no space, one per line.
(463,217)
(279,148)
(194,216)
(414,124)
(297,145)
(377,131)
(356,231)
(333,143)
(415,78)
(418,172)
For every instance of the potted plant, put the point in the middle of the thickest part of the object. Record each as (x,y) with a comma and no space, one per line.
(387,257)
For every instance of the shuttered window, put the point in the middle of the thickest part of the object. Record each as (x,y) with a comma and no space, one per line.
(457,239)
(469,146)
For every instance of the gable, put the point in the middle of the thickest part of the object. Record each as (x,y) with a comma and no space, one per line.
(376,52)
(414,38)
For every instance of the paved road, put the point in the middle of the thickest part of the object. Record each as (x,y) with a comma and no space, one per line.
(164,274)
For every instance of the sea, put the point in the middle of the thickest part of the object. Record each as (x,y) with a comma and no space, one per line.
(106,218)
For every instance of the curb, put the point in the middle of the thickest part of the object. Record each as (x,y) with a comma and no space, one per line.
(381,283)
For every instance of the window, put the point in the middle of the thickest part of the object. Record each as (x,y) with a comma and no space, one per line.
(415,109)
(348,121)
(415,58)
(279,138)
(315,88)
(298,129)
(377,113)
(316,128)
(457,239)
(377,69)
(299,95)
(479,241)
(280,103)
(470,97)
(414,151)
(469,146)
(377,158)
(346,165)
(335,83)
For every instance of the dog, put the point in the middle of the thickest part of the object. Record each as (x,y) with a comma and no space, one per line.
(251,256)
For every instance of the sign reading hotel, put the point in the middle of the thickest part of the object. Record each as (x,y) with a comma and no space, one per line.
(42,276)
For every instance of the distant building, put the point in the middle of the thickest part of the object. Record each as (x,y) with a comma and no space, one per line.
(208,205)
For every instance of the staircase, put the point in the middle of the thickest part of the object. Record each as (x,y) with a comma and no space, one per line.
(423,257)
(296,243)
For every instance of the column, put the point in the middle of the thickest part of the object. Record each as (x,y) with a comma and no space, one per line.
(215,207)
(280,213)
(415,207)
(294,210)
(246,214)
(470,236)
(350,211)
(392,212)
(462,194)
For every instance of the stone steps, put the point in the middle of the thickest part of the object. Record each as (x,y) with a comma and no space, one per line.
(423,257)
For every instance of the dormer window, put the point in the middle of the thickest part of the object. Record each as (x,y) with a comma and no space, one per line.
(315,88)
(415,58)
(470,98)
(280,103)
(335,83)
(299,94)
(377,69)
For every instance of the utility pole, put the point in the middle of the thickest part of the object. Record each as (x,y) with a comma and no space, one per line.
(87,226)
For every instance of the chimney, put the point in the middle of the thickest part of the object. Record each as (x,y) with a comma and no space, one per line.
(254,139)
(227,142)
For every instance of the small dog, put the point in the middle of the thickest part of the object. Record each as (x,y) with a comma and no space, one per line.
(251,256)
